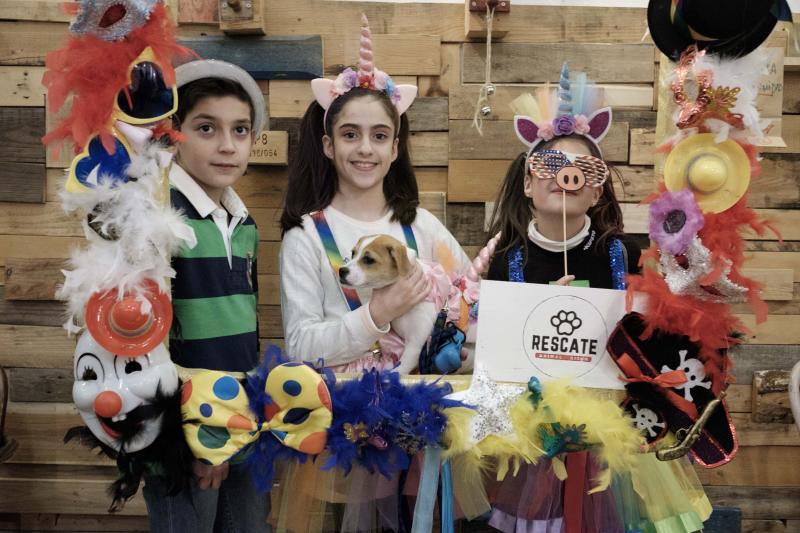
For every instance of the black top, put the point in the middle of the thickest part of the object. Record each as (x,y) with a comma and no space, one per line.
(584,261)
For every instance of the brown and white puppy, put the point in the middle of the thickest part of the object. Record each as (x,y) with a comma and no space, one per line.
(378,261)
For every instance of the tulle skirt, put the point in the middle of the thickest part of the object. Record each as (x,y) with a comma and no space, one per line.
(655,497)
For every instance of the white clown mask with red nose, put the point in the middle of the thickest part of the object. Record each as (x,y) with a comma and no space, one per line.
(117,396)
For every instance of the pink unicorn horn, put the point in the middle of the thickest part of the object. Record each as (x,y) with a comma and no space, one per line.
(365,55)
(480,262)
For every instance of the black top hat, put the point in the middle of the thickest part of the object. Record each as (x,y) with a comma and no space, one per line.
(730,28)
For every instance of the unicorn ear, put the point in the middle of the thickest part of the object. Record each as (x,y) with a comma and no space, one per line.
(599,123)
(407,95)
(323,93)
(526,129)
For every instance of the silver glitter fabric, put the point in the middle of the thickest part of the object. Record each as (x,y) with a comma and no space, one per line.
(686,281)
(492,401)
(94,17)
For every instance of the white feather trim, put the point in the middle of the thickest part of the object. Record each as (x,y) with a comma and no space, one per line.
(149,234)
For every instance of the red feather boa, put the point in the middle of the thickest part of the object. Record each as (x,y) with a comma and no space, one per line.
(94,71)
(711,325)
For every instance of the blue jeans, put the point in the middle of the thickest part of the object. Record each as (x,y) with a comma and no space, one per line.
(236,507)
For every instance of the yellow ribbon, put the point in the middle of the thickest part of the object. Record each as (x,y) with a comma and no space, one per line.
(218,422)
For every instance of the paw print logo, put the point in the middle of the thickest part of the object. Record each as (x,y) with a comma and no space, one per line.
(565,322)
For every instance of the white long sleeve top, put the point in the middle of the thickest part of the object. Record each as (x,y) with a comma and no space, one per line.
(317,321)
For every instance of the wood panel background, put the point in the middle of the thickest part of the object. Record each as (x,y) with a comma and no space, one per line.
(55,487)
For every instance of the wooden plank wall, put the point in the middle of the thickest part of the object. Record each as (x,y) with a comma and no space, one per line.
(51,486)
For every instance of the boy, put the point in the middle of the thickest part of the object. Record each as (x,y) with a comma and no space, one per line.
(214,293)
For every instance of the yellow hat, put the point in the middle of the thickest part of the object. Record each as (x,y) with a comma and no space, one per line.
(717,173)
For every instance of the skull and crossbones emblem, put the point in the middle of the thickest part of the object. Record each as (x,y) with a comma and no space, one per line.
(695,374)
(646,419)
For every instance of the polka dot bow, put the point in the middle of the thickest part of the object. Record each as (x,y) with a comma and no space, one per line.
(219,424)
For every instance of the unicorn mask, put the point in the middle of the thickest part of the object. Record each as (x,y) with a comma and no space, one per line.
(367,77)
(573,109)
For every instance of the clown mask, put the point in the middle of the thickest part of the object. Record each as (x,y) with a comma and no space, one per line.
(121,398)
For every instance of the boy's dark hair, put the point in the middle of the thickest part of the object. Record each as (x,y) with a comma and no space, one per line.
(513,210)
(312,176)
(194,91)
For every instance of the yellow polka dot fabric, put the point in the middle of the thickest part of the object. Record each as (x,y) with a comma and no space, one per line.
(218,422)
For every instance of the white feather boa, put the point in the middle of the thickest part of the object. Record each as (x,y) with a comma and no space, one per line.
(149,234)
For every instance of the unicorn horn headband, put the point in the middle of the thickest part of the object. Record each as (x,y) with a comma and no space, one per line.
(367,77)
(573,109)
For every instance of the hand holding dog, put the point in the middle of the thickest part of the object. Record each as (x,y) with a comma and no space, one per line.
(395,300)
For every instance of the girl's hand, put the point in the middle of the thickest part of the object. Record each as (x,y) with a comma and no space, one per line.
(392,301)
(208,476)
(564,281)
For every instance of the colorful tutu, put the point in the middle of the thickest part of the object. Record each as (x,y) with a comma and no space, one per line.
(661,497)
(537,501)
(655,497)
(311,499)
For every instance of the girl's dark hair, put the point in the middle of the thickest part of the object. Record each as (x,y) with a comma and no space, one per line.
(191,93)
(312,176)
(513,210)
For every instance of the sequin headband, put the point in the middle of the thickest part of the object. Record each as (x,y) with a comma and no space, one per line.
(367,77)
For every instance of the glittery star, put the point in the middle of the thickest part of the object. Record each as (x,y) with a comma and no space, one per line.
(492,401)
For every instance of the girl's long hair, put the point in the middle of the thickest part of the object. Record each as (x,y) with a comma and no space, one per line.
(312,176)
(513,210)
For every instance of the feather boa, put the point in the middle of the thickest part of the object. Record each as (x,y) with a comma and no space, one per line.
(399,420)
(149,234)
(712,325)
(607,428)
(94,71)
(267,450)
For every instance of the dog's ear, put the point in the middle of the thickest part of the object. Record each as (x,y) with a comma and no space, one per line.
(401,259)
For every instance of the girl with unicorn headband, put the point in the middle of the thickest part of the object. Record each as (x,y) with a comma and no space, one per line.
(352,177)
(556,209)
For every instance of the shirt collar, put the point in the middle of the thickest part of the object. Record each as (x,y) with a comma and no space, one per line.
(201,202)
(558,246)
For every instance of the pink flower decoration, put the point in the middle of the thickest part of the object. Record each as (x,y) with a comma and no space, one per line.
(380,79)
(675,219)
(581,124)
(546,132)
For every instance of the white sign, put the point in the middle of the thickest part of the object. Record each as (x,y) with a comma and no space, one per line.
(548,331)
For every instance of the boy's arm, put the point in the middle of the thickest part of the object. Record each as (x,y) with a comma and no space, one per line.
(308,334)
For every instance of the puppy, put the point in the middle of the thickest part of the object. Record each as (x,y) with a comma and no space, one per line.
(378,261)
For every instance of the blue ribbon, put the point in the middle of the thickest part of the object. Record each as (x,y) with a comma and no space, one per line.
(447,498)
(426,499)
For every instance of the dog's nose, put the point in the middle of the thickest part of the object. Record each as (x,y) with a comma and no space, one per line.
(343,273)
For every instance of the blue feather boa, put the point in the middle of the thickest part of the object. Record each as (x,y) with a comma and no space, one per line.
(267,450)
(379,423)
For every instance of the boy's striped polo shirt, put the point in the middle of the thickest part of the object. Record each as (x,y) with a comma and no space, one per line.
(214,301)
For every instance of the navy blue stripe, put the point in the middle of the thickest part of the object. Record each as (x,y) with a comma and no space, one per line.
(210,277)
(233,353)
(180,202)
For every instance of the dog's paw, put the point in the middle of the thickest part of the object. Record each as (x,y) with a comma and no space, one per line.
(565,322)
